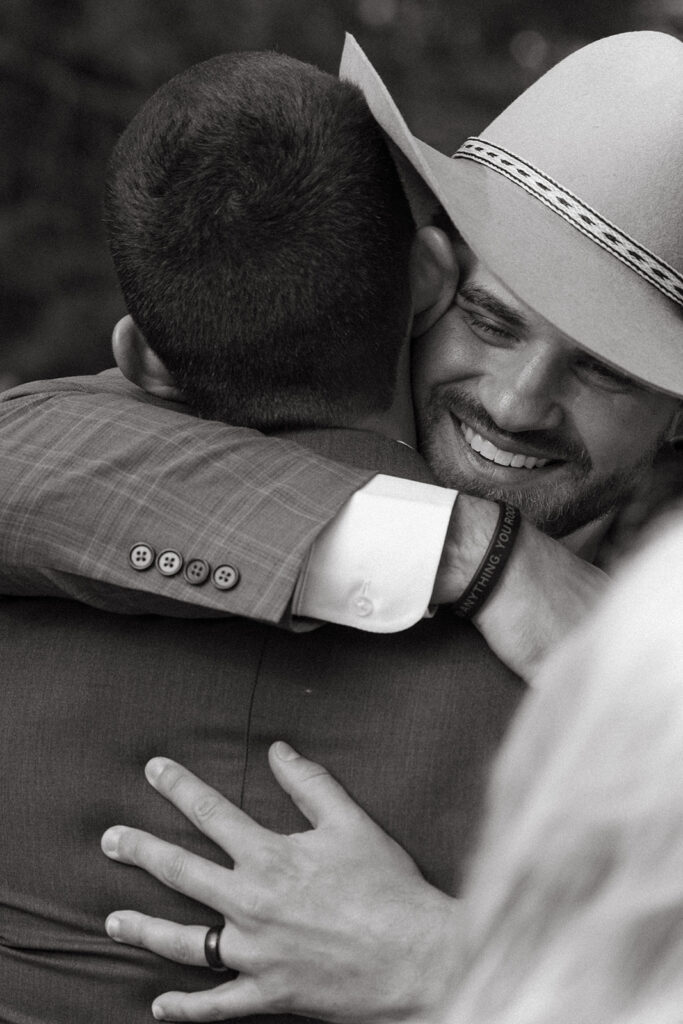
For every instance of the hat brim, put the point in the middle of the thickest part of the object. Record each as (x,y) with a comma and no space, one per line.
(585,291)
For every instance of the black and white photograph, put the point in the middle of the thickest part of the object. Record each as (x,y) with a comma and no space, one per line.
(341,494)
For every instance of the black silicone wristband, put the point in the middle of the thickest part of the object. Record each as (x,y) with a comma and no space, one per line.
(493,563)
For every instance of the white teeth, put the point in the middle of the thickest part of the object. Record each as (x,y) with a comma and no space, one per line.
(489,451)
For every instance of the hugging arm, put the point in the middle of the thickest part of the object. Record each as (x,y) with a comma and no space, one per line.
(336,922)
(90,467)
(544,593)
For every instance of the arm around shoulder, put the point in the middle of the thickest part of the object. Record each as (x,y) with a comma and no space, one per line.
(91,470)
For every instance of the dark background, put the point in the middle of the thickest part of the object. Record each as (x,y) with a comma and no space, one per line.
(73,72)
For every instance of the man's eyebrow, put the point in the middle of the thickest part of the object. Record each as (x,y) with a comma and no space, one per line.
(482,298)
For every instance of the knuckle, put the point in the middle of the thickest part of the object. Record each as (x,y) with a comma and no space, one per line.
(173,868)
(206,808)
(310,771)
(268,858)
(254,906)
(171,778)
(257,957)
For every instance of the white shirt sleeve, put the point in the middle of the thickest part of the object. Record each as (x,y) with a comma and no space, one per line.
(374,565)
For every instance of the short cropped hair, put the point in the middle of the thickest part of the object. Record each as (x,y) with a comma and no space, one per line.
(262,238)
(573,910)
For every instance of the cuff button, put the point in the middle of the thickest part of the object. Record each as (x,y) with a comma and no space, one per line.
(363,606)
(225,577)
(141,557)
(169,563)
(197,571)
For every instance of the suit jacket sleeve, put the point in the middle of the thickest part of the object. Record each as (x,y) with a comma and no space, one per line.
(90,467)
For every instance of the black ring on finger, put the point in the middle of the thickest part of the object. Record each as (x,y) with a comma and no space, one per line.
(211,948)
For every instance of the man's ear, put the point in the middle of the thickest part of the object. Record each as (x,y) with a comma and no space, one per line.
(136,361)
(433,277)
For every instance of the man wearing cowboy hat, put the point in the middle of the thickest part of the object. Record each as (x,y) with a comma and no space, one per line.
(568,328)
(555,437)
(568,235)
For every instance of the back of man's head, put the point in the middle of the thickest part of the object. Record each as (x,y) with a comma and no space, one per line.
(261,237)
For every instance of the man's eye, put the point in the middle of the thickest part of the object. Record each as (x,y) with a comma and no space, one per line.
(595,372)
(482,326)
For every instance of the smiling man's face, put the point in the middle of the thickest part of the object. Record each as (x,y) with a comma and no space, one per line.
(510,408)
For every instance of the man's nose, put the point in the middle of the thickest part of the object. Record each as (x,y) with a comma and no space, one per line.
(524,392)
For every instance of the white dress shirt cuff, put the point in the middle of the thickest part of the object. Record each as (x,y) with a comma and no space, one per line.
(374,565)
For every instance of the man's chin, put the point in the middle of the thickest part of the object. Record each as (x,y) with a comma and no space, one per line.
(563,514)
(557,518)
(559,499)
(533,491)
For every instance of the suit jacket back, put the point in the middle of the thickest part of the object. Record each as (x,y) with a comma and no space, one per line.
(407,722)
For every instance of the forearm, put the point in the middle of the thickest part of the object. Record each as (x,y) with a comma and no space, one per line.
(88,471)
(542,594)
(84,479)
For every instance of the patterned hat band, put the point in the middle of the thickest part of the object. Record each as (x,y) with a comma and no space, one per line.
(576,213)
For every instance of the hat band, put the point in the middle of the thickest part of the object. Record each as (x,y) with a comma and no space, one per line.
(577,213)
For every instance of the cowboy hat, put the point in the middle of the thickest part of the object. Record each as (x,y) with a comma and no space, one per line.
(571,196)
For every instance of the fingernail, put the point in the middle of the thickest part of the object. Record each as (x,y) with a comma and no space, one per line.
(157,1011)
(284,751)
(110,841)
(112,927)
(155,767)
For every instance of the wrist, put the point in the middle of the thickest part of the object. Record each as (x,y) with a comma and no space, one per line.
(492,566)
(436,960)
(472,524)
(545,593)
(505,620)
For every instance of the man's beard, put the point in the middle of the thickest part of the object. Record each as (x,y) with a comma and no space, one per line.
(557,507)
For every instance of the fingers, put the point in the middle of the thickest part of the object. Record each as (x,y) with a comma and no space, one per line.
(317,795)
(238,998)
(185,872)
(214,815)
(184,944)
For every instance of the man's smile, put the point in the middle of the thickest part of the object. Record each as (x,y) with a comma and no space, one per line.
(488,450)
(511,466)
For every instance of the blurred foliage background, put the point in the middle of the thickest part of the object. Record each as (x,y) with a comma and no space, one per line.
(73,72)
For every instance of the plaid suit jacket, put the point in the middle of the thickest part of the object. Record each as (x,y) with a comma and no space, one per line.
(91,466)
